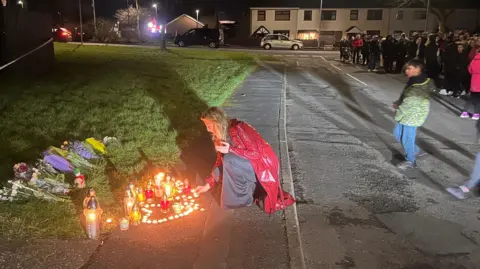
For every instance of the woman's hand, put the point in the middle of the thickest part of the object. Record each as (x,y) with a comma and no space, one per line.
(224,147)
(202,189)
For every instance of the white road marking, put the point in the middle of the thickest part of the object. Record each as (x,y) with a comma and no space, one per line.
(304,56)
(361,82)
(336,67)
(323,58)
(298,64)
(317,56)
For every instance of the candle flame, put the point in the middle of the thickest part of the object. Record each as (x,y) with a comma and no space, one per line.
(109,220)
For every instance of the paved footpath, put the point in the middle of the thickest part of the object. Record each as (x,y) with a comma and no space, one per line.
(244,238)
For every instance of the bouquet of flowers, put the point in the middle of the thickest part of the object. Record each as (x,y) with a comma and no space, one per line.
(46,184)
(18,190)
(22,171)
(82,149)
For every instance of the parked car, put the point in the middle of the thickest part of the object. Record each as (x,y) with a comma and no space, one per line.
(199,37)
(62,35)
(277,41)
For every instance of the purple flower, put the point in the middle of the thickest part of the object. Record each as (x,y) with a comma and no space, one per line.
(82,151)
(58,162)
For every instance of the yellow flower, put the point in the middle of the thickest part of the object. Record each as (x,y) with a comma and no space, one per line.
(97,145)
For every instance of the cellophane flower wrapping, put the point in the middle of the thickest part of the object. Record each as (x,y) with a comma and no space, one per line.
(58,162)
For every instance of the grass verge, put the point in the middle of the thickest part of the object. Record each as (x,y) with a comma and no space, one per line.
(149,99)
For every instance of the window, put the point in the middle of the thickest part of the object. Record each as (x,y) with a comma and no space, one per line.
(397,34)
(282,32)
(191,33)
(373,32)
(283,38)
(307,15)
(282,15)
(329,15)
(261,15)
(271,37)
(399,16)
(419,15)
(354,15)
(307,35)
(374,14)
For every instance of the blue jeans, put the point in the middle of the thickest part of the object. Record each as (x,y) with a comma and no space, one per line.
(406,135)
(475,176)
(372,64)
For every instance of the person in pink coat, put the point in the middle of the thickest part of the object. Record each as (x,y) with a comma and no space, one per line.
(474,69)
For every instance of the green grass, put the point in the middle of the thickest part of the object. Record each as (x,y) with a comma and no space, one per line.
(149,99)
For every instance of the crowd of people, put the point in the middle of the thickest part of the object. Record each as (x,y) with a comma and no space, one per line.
(446,55)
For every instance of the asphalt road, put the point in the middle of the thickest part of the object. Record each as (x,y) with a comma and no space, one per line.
(355,209)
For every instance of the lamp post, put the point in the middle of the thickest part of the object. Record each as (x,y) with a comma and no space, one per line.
(320,23)
(20,2)
(197,11)
(94,18)
(427,15)
(155,6)
(81,23)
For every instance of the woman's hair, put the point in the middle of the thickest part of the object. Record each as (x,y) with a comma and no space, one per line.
(220,119)
(416,63)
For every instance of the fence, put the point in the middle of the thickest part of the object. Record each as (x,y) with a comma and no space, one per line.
(23,31)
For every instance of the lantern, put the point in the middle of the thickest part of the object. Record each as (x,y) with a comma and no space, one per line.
(186,186)
(149,194)
(128,201)
(135,215)
(159,178)
(93,214)
(140,196)
(132,188)
(164,204)
(124,224)
(168,189)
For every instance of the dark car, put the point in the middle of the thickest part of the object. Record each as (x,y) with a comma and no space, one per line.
(199,37)
(62,35)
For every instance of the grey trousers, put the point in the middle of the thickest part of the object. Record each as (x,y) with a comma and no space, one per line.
(238,181)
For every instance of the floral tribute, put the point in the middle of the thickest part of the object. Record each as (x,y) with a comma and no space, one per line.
(47,178)
(164,199)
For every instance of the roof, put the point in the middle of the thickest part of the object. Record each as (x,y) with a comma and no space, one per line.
(353,30)
(326,4)
(459,4)
(188,17)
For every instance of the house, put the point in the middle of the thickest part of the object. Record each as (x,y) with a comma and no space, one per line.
(304,23)
(181,24)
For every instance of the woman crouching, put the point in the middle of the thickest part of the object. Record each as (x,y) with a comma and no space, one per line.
(412,111)
(244,159)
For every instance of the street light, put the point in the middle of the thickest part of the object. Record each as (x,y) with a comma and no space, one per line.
(20,2)
(198,11)
(155,6)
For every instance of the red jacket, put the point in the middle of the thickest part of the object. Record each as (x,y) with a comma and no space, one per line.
(248,144)
(474,69)
(357,43)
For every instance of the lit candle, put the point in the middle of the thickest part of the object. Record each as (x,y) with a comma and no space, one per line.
(170,218)
(177,208)
(168,189)
(124,224)
(149,194)
(164,204)
(140,195)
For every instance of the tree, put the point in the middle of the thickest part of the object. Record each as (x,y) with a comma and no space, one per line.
(131,18)
(442,9)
